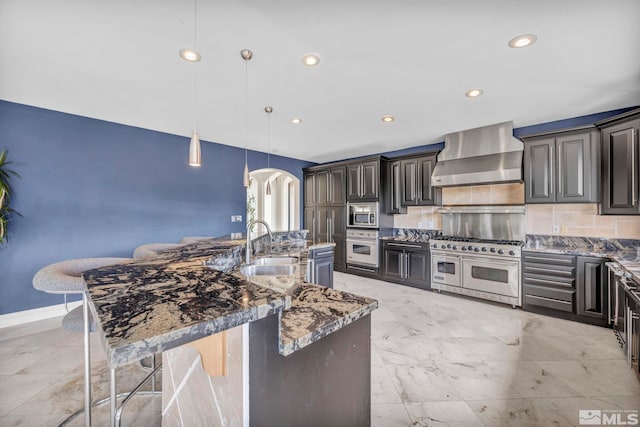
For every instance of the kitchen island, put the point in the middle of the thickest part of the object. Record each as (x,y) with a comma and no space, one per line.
(294,352)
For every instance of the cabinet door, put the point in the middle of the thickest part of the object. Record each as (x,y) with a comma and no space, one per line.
(426,193)
(310,223)
(323,219)
(620,169)
(340,254)
(338,217)
(409,171)
(338,178)
(323,186)
(539,171)
(323,268)
(370,180)
(353,182)
(392,265)
(573,178)
(592,292)
(394,189)
(310,189)
(416,266)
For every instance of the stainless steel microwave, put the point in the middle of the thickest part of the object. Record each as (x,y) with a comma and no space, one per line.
(363,215)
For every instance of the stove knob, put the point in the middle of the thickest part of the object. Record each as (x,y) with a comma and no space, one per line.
(455,248)
(500,251)
(449,246)
(493,250)
(484,249)
(443,247)
(476,249)
(435,246)
(464,248)
(470,247)
(512,253)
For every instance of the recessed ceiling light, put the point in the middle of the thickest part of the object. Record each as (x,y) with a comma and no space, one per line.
(523,40)
(296,121)
(472,93)
(310,59)
(190,55)
(388,119)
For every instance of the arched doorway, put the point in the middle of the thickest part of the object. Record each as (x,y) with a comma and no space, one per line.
(281,209)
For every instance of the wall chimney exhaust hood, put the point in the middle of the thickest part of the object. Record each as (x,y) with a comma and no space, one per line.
(484,155)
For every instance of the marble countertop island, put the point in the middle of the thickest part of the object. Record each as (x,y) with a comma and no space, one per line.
(159,302)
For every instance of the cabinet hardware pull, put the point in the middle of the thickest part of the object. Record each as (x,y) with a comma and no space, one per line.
(549,299)
(566,273)
(551,282)
(634,177)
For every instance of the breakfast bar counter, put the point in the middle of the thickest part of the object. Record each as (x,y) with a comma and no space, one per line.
(159,303)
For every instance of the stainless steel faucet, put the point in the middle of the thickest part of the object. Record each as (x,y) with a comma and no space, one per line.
(249,225)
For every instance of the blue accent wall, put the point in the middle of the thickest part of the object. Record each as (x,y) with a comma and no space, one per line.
(91,188)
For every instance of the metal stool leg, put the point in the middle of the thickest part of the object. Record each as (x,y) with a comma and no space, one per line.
(87,360)
(113,404)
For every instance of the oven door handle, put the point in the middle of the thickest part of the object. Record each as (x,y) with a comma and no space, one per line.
(361,240)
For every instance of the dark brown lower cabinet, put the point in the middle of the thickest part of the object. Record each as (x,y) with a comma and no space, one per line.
(407,264)
(592,289)
(567,286)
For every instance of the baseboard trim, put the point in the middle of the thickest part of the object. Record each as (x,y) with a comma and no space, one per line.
(26,316)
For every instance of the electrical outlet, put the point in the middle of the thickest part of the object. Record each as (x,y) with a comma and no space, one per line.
(556,228)
(236,218)
(236,236)
(420,224)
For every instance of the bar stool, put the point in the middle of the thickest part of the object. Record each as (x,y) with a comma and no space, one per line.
(65,277)
(153,249)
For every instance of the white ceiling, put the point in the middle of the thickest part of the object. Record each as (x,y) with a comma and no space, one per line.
(118,61)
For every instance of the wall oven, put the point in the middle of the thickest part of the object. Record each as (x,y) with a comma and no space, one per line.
(362,247)
(363,215)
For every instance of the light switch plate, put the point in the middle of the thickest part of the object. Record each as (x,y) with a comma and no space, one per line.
(556,228)
(236,218)
(236,236)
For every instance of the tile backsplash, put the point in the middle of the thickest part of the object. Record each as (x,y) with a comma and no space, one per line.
(575,219)
(580,219)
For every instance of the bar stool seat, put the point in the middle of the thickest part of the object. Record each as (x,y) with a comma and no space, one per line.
(153,249)
(73,321)
(65,277)
(193,239)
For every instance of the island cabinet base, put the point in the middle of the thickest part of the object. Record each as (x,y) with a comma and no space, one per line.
(327,383)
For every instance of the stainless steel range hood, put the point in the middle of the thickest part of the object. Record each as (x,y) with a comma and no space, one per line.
(485,155)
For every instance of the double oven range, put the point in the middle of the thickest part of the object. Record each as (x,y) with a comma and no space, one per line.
(479,253)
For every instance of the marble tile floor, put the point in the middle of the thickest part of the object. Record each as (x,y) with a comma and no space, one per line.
(436,360)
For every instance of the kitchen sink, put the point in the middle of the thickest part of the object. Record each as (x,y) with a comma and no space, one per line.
(251,270)
(281,260)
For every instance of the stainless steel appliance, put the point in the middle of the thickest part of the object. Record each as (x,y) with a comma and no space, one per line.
(362,248)
(484,155)
(479,253)
(363,215)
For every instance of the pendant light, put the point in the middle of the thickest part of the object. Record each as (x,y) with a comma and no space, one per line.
(268,110)
(189,55)
(246,55)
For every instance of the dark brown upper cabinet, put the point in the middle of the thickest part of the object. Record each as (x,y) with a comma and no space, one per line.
(620,158)
(416,181)
(394,191)
(363,181)
(562,167)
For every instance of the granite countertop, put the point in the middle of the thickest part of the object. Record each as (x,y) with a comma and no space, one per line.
(415,239)
(159,302)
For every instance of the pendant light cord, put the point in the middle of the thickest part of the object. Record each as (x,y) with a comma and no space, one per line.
(195,74)
(246,108)
(268,140)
